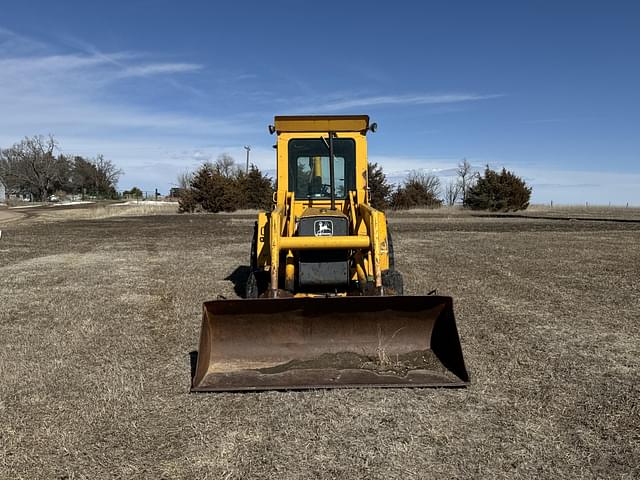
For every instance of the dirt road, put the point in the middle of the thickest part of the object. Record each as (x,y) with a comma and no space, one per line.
(7,215)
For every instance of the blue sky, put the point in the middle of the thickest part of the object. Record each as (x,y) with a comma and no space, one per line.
(550,90)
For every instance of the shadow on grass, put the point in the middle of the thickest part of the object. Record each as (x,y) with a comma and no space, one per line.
(239,279)
(193,361)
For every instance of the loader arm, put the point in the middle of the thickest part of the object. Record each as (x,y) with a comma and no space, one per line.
(368,239)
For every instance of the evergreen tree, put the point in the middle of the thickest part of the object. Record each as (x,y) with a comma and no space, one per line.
(495,191)
(225,188)
(379,188)
(258,190)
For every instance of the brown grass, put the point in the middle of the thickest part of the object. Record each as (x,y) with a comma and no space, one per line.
(98,318)
(100,211)
(557,211)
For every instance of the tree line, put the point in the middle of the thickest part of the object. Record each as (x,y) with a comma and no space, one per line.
(224,186)
(35,167)
(496,191)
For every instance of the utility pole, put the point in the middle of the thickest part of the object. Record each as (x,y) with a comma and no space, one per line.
(248,149)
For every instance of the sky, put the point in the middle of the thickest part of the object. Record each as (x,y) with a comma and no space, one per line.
(549,90)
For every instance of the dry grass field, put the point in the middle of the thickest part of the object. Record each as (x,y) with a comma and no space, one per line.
(98,315)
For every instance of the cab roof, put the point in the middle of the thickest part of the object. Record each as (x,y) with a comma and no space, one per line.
(322,123)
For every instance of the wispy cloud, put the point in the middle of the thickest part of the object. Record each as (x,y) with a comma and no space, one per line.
(18,44)
(338,102)
(158,69)
(399,165)
(427,99)
(101,68)
(557,186)
(46,91)
(90,101)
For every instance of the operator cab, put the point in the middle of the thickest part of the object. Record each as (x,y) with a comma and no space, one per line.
(310,169)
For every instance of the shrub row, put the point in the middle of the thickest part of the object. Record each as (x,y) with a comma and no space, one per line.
(496,191)
(224,187)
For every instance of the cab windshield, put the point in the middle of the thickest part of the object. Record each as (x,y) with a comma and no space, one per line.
(309,172)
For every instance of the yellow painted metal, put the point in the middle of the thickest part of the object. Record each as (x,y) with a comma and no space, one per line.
(322,123)
(361,274)
(290,272)
(275,236)
(262,246)
(276,229)
(324,243)
(376,225)
(290,268)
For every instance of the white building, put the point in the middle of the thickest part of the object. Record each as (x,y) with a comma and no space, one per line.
(3,192)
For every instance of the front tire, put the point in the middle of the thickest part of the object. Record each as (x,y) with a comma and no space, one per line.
(392,253)
(253,257)
(254,287)
(257,283)
(392,280)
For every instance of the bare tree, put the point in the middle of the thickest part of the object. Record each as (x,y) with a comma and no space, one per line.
(226,166)
(418,190)
(428,182)
(30,166)
(184,179)
(452,191)
(106,175)
(466,178)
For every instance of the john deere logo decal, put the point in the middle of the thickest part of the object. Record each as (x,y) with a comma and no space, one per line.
(323,228)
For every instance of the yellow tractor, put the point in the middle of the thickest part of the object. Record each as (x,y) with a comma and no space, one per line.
(325,306)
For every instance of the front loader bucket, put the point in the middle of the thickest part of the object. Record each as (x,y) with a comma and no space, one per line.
(298,343)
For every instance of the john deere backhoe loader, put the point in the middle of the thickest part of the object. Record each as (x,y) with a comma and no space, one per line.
(324,304)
